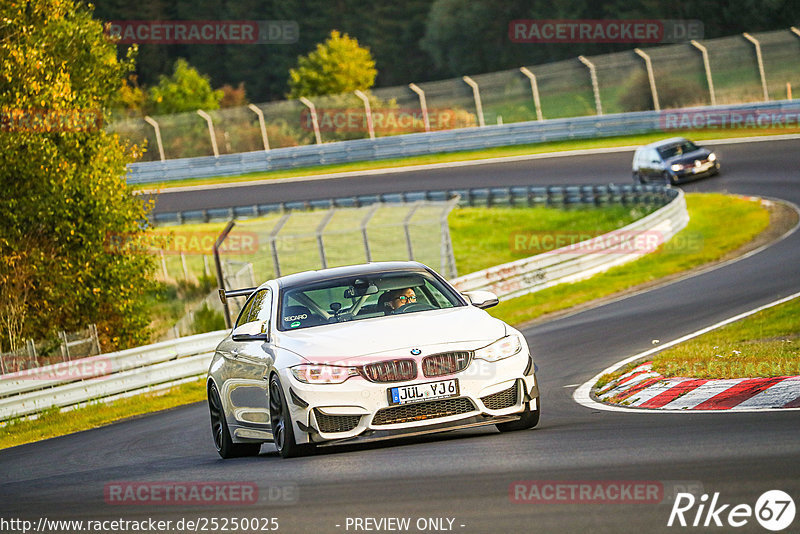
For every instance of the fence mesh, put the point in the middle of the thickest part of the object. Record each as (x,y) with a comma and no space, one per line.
(565,90)
(278,244)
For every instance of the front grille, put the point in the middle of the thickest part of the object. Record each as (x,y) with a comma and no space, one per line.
(501,399)
(446,363)
(423,410)
(336,423)
(391,371)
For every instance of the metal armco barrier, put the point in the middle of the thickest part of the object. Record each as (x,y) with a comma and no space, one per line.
(96,377)
(555,195)
(669,121)
(128,371)
(572,263)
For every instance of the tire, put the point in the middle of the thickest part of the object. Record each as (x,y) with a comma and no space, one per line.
(529,419)
(637,178)
(220,432)
(281,423)
(667,179)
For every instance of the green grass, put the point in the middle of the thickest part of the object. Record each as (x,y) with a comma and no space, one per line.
(516,150)
(718,225)
(53,422)
(484,237)
(763,345)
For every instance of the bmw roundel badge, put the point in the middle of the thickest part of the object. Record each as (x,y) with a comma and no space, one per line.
(416,352)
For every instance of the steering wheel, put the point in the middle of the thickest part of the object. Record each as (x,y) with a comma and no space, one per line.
(418,306)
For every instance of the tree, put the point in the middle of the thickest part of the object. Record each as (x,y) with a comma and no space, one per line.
(185,90)
(339,65)
(63,194)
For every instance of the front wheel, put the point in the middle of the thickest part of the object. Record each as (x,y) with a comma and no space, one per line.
(281,422)
(529,419)
(220,432)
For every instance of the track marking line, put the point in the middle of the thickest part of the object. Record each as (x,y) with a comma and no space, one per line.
(583,397)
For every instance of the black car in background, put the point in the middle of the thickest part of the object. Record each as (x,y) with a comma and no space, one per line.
(673,161)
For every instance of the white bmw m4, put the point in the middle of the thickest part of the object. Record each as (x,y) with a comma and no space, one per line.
(365,352)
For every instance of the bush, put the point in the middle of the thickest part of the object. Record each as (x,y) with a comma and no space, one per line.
(207,320)
(672,93)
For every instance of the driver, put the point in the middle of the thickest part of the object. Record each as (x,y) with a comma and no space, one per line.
(400,297)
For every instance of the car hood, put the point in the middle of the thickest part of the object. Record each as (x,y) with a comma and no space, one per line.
(380,335)
(689,157)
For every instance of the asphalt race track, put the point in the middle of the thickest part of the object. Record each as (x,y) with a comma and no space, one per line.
(466,476)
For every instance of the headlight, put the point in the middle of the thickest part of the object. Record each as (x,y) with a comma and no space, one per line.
(502,348)
(712,157)
(676,167)
(323,374)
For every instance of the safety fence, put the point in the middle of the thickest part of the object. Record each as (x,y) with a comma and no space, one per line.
(737,69)
(106,376)
(110,376)
(288,239)
(778,115)
(67,346)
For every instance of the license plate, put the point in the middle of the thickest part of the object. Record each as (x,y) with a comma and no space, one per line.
(423,392)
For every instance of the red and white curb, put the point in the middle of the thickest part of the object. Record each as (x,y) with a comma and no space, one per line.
(649,392)
(643,388)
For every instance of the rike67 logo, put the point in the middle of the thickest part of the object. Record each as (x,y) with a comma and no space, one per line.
(774,510)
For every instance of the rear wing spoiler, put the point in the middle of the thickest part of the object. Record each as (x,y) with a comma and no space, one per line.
(224,295)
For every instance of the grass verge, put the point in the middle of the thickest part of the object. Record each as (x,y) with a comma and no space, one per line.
(766,344)
(53,422)
(499,152)
(718,225)
(484,237)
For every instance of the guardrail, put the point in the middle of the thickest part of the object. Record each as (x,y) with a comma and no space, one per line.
(524,195)
(573,263)
(163,364)
(78,381)
(448,141)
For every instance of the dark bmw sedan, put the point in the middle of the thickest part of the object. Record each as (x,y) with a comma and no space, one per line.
(673,161)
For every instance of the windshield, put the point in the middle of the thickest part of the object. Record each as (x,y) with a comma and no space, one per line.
(364,297)
(677,150)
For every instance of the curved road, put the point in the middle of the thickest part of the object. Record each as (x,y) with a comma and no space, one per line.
(466,475)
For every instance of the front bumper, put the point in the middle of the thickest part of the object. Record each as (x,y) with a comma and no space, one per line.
(489,393)
(693,173)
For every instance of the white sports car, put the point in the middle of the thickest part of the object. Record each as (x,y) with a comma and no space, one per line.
(365,352)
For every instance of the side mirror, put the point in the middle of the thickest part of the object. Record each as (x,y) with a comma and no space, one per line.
(482,299)
(253,331)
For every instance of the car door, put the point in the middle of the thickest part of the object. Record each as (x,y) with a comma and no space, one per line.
(248,363)
(653,165)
